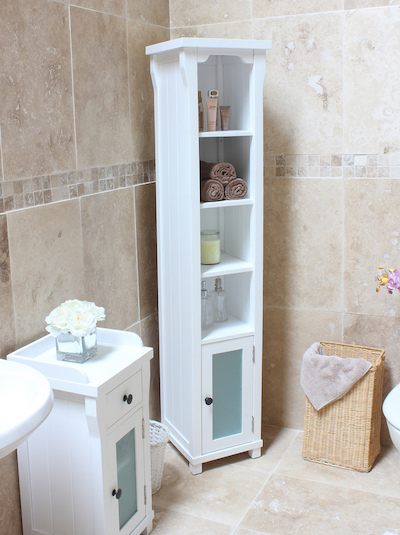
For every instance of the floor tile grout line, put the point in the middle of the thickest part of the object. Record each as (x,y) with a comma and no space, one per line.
(254,499)
(274,471)
(325,482)
(266,480)
(234,466)
(251,531)
(194,515)
(285,452)
(354,489)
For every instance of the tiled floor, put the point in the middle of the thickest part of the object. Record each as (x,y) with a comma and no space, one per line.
(278,494)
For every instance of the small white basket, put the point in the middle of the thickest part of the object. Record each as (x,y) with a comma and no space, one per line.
(159,437)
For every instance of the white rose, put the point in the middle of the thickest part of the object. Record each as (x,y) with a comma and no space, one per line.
(76,317)
(81,322)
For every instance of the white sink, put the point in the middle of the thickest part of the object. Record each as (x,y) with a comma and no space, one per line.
(26,399)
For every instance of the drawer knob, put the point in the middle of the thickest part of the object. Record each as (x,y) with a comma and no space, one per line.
(208,401)
(128,399)
(117,493)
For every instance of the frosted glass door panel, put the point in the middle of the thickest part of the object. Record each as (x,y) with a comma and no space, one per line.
(227,393)
(126,469)
(227,379)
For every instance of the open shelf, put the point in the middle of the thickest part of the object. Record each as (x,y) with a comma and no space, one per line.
(239,289)
(226,204)
(234,223)
(228,265)
(233,149)
(233,328)
(232,78)
(227,133)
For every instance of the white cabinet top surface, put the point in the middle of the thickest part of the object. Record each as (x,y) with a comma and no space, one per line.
(199,42)
(116,351)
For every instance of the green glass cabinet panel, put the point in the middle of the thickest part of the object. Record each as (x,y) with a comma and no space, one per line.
(126,469)
(227,393)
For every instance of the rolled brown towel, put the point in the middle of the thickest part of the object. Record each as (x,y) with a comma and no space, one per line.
(211,190)
(235,189)
(222,171)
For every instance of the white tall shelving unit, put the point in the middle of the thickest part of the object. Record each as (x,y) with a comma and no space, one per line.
(210,380)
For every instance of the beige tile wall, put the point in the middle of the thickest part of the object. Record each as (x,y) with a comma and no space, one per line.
(36,107)
(77,191)
(101,93)
(331,176)
(77,173)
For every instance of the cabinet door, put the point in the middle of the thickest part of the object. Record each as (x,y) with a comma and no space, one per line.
(227,387)
(126,474)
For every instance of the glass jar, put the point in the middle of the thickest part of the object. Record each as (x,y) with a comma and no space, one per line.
(76,348)
(210,247)
(219,297)
(207,320)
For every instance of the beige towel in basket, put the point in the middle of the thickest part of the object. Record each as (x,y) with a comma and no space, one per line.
(325,379)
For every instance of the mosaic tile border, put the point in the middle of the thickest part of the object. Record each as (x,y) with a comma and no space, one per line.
(27,192)
(333,165)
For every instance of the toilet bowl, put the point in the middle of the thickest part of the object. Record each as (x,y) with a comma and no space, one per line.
(391,410)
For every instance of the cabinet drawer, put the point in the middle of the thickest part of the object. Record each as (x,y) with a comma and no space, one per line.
(116,406)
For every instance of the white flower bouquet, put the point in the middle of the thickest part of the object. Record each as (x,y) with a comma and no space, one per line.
(75,317)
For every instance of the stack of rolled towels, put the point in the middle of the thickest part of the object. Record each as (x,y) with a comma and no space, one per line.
(219,181)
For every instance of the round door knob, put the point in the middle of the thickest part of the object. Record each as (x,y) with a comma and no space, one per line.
(128,399)
(117,493)
(208,401)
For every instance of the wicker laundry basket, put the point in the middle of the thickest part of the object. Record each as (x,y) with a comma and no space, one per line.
(159,436)
(346,433)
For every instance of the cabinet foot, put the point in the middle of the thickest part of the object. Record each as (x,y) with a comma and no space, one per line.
(195,469)
(255,453)
(149,528)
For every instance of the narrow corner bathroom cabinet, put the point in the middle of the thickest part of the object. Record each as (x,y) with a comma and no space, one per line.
(210,379)
(86,469)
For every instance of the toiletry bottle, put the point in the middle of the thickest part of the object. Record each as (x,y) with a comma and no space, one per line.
(224,110)
(219,303)
(207,320)
(201,112)
(212,110)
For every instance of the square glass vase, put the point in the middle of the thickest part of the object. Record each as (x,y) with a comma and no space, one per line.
(76,348)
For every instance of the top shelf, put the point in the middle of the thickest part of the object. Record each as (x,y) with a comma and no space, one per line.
(116,351)
(209,43)
(227,133)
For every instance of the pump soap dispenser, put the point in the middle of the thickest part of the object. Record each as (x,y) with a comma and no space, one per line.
(207,320)
(219,303)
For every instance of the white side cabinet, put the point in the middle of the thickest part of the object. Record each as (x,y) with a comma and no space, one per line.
(86,469)
(210,380)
